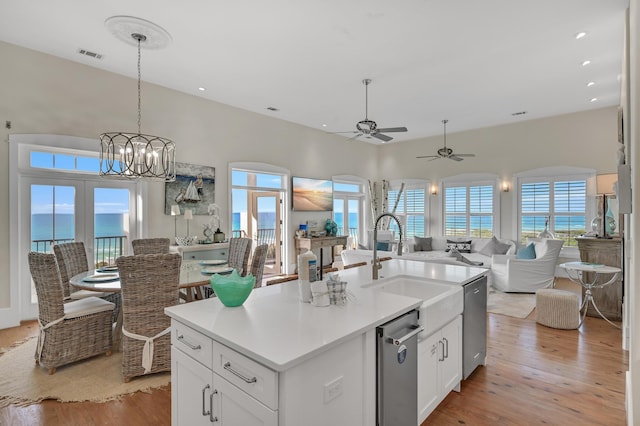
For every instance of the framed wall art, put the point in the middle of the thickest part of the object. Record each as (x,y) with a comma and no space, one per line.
(312,194)
(194,188)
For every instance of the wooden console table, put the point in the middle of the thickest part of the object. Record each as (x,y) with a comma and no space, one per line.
(607,251)
(312,243)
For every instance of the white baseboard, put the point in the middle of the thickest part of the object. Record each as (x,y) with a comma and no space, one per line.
(8,318)
(628,400)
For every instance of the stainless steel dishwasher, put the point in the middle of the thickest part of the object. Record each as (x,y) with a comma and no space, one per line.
(397,375)
(474,326)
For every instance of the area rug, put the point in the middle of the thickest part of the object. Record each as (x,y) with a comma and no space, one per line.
(517,305)
(98,379)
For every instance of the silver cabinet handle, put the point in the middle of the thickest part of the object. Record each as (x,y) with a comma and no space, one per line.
(204,390)
(441,343)
(212,418)
(407,336)
(227,366)
(446,345)
(476,291)
(191,345)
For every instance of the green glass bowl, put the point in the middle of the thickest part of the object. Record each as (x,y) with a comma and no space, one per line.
(232,289)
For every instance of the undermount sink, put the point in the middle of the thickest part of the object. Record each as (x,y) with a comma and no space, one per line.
(441,302)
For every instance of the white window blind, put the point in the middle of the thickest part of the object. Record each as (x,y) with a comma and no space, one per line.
(561,201)
(412,205)
(469,210)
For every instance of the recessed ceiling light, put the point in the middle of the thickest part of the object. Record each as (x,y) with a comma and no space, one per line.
(202,89)
(591,83)
(593,99)
(580,35)
(324,125)
(585,63)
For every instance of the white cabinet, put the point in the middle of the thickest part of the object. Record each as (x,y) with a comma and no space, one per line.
(217,251)
(201,396)
(439,366)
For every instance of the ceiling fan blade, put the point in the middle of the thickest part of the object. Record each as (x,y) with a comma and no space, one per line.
(428,156)
(354,137)
(465,155)
(455,157)
(393,129)
(382,137)
(351,131)
(436,157)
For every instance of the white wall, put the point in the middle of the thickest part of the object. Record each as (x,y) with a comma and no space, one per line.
(586,139)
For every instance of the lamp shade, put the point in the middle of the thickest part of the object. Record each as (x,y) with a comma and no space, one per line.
(605,183)
(175,210)
(188,215)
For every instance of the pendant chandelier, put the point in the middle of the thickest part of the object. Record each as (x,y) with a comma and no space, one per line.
(136,155)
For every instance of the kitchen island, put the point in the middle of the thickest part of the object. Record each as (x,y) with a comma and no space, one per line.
(276,361)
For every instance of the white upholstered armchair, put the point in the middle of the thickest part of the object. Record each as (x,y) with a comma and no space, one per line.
(510,274)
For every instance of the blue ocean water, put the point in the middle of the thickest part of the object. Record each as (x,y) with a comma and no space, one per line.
(43,224)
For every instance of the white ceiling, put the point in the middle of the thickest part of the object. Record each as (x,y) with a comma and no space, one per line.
(472,62)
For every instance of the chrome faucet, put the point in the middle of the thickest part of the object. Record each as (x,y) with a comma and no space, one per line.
(376,262)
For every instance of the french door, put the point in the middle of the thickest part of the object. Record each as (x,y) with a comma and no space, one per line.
(100,213)
(265,227)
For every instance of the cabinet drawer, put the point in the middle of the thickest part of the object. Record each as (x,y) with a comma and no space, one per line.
(196,345)
(250,376)
(219,254)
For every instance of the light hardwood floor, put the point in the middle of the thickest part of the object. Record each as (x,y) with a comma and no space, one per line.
(534,375)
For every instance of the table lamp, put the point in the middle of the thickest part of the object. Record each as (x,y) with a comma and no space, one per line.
(175,212)
(188,215)
(605,187)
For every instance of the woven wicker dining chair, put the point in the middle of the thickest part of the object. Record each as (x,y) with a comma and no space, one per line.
(72,331)
(257,263)
(239,251)
(72,260)
(151,245)
(149,283)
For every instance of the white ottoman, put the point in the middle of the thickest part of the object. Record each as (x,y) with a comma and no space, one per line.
(557,308)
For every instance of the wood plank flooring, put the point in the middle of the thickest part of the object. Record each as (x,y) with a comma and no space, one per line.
(534,375)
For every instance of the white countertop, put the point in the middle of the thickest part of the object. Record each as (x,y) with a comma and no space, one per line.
(274,328)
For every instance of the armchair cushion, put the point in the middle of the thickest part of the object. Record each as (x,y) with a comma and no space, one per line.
(494,246)
(529,252)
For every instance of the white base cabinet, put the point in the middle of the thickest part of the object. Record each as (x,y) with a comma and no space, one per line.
(213,384)
(201,397)
(439,366)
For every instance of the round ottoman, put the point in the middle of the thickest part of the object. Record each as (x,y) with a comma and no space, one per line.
(557,308)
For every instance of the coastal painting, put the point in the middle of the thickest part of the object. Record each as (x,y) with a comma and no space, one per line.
(312,194)
(194,188)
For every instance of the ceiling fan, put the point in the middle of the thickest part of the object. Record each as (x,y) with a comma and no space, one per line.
(445,152)
(370,127)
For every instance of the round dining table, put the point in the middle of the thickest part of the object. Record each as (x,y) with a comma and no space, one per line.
(194,276)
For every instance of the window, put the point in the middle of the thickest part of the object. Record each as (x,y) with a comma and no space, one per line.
(469,209)
(348,204)
(64,162)
(558,201)
(412,206)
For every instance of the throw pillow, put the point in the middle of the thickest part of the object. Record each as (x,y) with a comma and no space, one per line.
(461,246)
(494,246)
(422,244)
(529,252)
(382,246)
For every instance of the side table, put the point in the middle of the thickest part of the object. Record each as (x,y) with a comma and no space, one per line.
(576,272)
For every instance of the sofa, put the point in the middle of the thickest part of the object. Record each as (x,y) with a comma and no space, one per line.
(481,252)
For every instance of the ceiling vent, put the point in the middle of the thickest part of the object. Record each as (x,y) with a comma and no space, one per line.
(272,109)
(515,114)
(90,54)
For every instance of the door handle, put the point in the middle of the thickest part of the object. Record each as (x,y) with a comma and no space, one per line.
(212,418)
(409,335)
(204,390)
